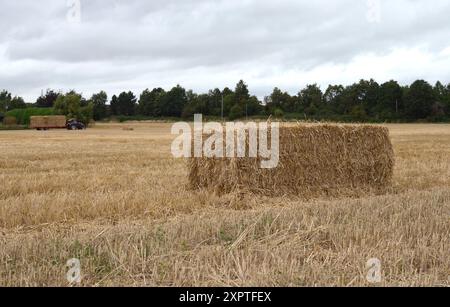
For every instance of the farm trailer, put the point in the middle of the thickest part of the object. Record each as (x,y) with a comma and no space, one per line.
(54,122)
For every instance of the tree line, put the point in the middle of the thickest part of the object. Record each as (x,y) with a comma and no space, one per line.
(365,101)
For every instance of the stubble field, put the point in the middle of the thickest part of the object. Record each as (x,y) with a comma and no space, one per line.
(117,201)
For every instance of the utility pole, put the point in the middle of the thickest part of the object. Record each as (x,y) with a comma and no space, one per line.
(222,108)
(246,111)
(396,106)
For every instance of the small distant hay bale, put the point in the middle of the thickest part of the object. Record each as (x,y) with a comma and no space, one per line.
(10,121)
(316,160)
(128,129)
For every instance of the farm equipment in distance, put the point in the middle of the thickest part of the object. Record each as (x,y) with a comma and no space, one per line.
(73,124)
(55,122)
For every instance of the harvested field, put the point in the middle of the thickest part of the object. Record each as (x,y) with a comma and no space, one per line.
(118,201)
(315,160)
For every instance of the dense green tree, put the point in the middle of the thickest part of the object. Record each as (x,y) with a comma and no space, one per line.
(278,113)
(289,104)
(274,101)
(196,104)
(86,113)
(253,106)
(441,108)
(68,105)
(151,102)
(228,103)
(215,102)
(368,92)
(358,113)
(17,103)
(174,102)
(191,106)
(100,109)
(362,101)
(5,100)
(47,100)
(352,96)
(113,105)
(83,101)
(280,100)
(440,91)
(363,95)
(8,103)
(332,99)
(71,106)
(419,100)
(241,93)
(242,102)
(447,102)
(236,112)
(438,111)
(390,101)
(145,106)
(126,104)
(310,99)
(227,91)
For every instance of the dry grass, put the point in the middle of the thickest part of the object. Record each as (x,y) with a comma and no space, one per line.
(118,201)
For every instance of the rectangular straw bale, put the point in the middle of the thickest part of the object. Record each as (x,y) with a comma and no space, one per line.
(54,121)
(315,160)
(9,121)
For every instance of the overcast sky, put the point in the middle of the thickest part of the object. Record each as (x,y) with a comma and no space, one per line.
(117,45)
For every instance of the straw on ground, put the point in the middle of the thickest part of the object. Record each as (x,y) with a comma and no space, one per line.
(118,201)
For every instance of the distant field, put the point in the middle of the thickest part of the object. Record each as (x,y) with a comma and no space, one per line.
(117,200)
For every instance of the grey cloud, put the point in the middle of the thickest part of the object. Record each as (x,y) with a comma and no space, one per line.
(137,42)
